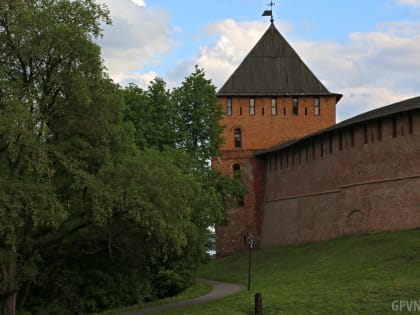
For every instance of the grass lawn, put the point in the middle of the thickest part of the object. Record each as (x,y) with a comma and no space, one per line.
(355,275)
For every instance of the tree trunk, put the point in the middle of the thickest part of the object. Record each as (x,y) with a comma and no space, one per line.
(9,286)
(21,298)
(9,307)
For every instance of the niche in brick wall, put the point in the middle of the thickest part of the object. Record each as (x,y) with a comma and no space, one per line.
(355,222)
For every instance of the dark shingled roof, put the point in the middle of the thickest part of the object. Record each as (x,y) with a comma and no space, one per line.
(273,68)
(402,106)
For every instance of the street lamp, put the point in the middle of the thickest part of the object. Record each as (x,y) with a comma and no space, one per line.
(250,241)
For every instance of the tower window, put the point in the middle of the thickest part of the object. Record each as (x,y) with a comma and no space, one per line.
(317,109)
(238,138)
(252,106)
(229,106)
(295,106)
(274,106)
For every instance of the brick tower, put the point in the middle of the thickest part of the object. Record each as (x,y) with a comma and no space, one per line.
(271,98)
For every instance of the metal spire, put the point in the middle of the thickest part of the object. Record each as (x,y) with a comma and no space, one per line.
(270,12)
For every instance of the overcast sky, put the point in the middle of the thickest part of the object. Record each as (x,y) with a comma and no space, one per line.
(368,50)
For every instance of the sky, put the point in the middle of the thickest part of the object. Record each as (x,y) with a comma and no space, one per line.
(367,50)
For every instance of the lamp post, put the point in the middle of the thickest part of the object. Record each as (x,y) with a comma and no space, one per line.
(250,241)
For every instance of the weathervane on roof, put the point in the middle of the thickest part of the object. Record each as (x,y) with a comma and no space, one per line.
(269,12)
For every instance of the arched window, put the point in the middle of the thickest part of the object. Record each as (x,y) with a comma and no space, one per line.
(238,138)
(236,171)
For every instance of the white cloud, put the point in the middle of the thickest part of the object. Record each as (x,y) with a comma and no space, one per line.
(141,79)
(181,69)
(415,3)
(139,37)
(371,69)
(219,60)
(235,40)
(360,99)
(400,28)
(141,3)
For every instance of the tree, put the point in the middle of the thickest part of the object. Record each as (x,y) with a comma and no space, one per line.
(50,72)
(152,114)
(150,237)
(91,186)
(198,116)
(186,120)
(199,133)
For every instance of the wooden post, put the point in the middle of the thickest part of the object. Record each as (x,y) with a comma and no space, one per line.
(250,240)
(258,304)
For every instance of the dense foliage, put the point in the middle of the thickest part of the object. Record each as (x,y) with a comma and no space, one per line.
(106,194)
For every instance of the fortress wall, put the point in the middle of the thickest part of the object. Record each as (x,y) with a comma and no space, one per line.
(241,219)
(363,178)
(260,131)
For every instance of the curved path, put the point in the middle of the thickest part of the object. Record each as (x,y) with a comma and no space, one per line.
(220,290)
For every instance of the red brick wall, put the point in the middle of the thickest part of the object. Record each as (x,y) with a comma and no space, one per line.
(261,131)
(264,131)
(245,218)
(326,187)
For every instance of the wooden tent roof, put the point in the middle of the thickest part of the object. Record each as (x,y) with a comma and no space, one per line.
(273,68)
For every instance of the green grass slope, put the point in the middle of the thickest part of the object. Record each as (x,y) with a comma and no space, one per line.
(355,275)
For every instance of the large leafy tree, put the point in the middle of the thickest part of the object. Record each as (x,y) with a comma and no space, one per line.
(198,116)
(51,84)
(152,114)
(184,124)
(185,120)
(96,185)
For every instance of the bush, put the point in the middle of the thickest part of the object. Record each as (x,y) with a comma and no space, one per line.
(170,282)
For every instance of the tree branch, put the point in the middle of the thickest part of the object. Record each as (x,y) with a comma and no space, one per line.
(18,167)
(15,49)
